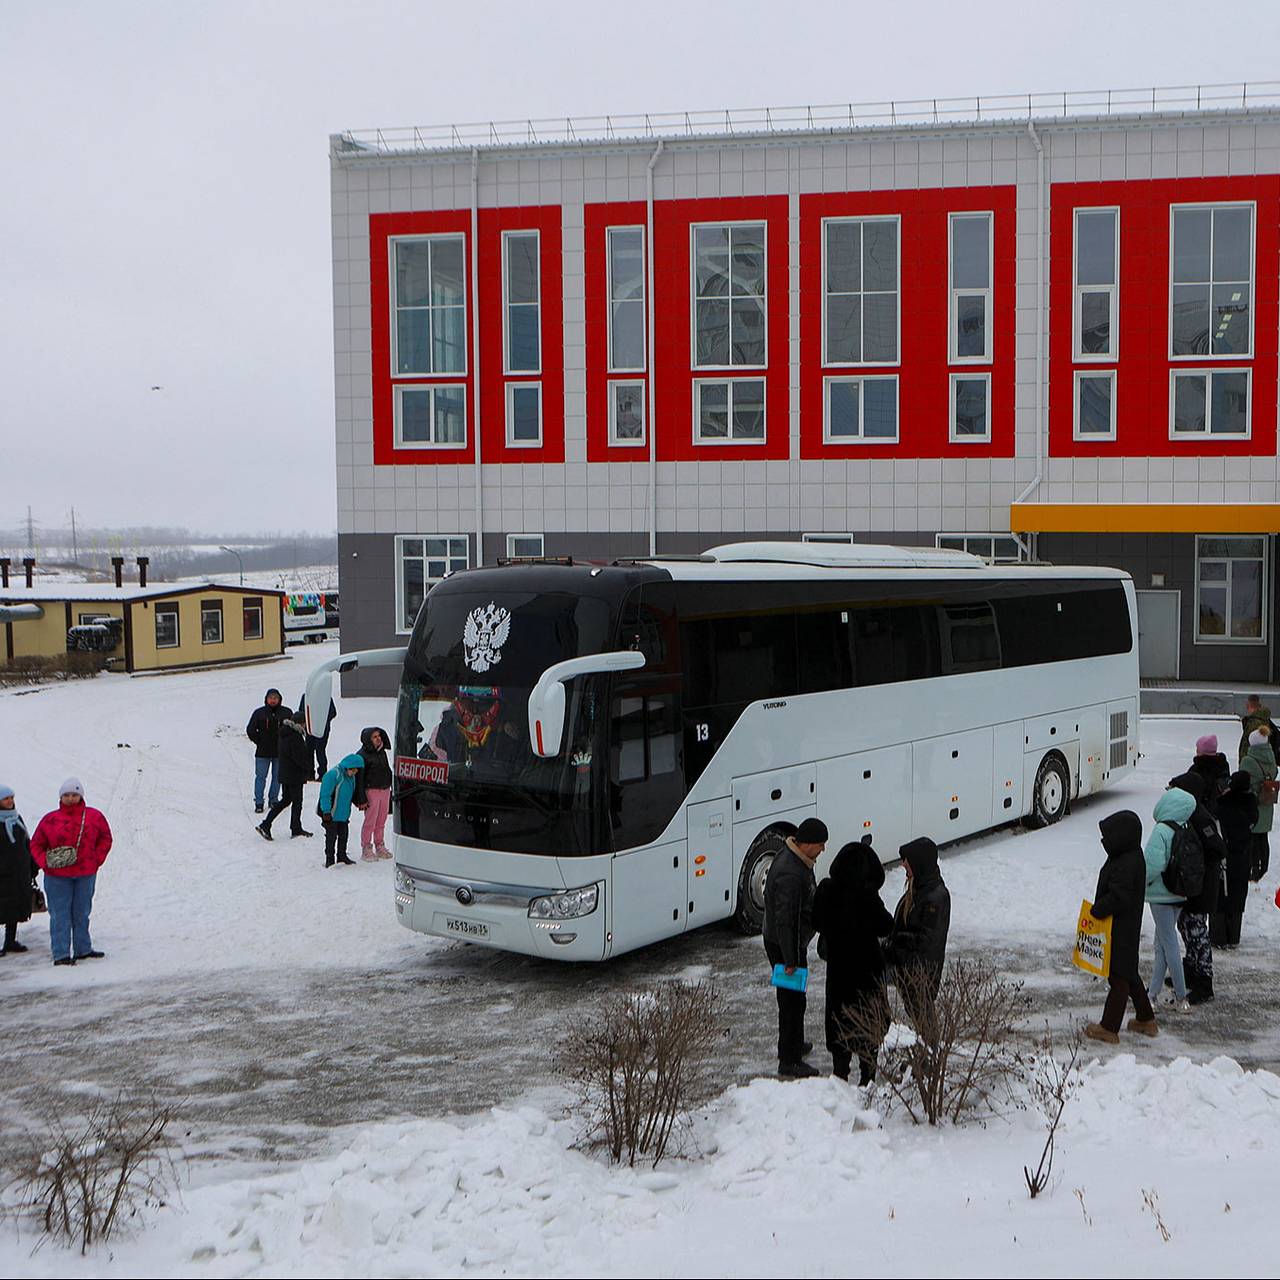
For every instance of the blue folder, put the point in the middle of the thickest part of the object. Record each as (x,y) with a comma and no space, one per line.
(797,981)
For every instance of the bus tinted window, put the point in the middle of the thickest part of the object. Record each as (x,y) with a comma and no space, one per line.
(1062,621)
(969,639)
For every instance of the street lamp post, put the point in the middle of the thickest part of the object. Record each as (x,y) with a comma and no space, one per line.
(233,552)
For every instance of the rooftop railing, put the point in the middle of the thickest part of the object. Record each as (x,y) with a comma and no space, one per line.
(831,117)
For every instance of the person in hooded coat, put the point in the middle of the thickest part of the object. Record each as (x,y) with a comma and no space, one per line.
(1260,764)
(263,730)
(296,770)
(1173,810)
(1119,897)
(917,946)
(1237,815)
(851,919)
(1211,765)
(338,790)
(1193,923)
(374,795)
(18,871)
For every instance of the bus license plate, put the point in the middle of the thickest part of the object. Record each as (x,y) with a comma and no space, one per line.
(466,928)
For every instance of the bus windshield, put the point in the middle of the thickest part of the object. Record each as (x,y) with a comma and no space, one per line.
(466,773)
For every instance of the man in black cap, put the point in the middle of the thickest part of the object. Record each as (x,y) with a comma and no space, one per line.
(917,947)
(788,929)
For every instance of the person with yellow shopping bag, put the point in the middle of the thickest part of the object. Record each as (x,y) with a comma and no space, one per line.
(1119,898)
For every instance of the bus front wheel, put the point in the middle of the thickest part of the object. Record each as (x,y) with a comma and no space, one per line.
(1051,793)
(749,917)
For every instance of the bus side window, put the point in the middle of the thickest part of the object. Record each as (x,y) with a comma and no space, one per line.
(969,638)
(644,738)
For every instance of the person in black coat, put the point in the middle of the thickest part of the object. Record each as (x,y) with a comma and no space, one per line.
(917,947)
(296,770)
(18,871)
(1238,814)
(1121,892)
(851,919)
(1193,922)
(1212,766)
(320,742)
(789,890)
(263,730)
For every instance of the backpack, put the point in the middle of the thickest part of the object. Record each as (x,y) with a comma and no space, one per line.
(1184,874)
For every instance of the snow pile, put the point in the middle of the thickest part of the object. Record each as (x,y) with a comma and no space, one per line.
(796,1179)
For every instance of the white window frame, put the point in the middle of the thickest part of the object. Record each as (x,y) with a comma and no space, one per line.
(507,304)
(169,607)
(834,539)
(1022,557)
(398,412)
(222,631)
(511,389)
(392,241)
(763,223)
(985,438)
(1265,605)
(861,438)
(1252,206)
(643,300)
(513,554)
(1208,433)
(428,583)
(1080,375)
(896,219)
(986,294)
(730,439)
(642,440)
(1080,355)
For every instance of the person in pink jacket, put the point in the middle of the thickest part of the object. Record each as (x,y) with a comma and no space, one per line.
(69,882)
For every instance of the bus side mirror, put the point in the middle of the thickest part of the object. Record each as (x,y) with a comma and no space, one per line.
(320,682)
(546,702)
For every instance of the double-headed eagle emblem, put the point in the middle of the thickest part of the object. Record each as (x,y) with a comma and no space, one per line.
(484,634)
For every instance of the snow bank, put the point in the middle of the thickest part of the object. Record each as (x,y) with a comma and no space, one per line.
(791,1179)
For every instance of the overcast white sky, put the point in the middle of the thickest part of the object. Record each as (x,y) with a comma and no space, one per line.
(164,207)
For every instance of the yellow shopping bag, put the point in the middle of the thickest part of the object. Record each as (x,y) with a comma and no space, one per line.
(1093,943)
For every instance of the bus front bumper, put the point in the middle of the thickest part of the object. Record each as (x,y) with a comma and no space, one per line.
(497,915)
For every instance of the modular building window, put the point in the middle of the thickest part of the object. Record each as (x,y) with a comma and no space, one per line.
(210,621)
(167,633)
(524,414)
(1209,402)
(252,617)
(421,561)
(626,299)
(429,305)
(1095,406)
(431,417)
(729,412)
(729,321)
(525,546)
(861,410)
(1212,281)
(1097,254)
(1231,590)
(521,301)
(626,413)
(970,408)
(860,291)
(970,327)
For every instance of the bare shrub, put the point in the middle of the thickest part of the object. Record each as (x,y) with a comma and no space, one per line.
(963,1058)
(1052,1083)
(639,1064)
(87,1178)
(62,666)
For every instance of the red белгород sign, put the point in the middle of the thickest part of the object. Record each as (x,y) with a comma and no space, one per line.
(411,770)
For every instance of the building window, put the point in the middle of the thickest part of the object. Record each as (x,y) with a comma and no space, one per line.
(253,617)
(626,413)
(428,301)
(167,633)
(1209,402)
(838,539)
(1097,283)
(1212,275)
(970,408)
(970,322)
(1096,406)
(431,417)
(626,299)
(524,414)
(729,296)
(520,297)
(861,411)
(1231,590)
(860,291)
(729,412)
(210,621)
(420,563)
(997,548)
(525,546)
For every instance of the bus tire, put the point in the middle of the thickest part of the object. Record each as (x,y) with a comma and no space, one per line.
(749,915)
(1051,792)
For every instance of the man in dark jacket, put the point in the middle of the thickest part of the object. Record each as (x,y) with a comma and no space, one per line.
(264,732)
(1193,923)
(1255,716)
(1238,814)
(788,929)
(917,947)
(851,919)
(1119,898)
(296,771)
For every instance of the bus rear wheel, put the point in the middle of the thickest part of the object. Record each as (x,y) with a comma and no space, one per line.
(749,916)
(1051,793)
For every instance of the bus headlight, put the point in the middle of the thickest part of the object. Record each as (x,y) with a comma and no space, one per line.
(570,905)
(404,883)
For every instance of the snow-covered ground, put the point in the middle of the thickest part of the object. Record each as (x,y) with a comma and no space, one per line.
(368,1101)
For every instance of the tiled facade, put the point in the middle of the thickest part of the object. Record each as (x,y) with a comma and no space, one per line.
(589,496)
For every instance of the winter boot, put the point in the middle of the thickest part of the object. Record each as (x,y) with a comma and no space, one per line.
(1144,1027)
(1096,1031)
(383,851)
(65,960)
(367,854)
(14,946)
(345,861)
(293,835)
(328,859)
(800,1070)
(257,808)
(1201,992)
(263,830)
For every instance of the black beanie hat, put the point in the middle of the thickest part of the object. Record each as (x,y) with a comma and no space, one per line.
(812,831)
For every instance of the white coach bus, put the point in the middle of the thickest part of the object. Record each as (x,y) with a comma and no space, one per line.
(590,758)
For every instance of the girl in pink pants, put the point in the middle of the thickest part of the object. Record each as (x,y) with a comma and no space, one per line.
(376,793)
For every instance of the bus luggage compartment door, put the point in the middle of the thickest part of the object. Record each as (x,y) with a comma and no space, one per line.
(952,784)
(648,901)
(710,862)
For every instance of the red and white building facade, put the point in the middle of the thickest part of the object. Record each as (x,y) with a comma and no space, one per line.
(1052,337)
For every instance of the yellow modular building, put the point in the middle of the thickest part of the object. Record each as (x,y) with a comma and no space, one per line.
(161,627)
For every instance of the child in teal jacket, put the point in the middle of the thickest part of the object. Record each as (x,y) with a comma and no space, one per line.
(1175,806)
(337,791)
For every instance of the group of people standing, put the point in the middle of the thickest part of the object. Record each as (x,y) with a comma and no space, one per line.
(865,946)
(287,758)
(1210,839)
(69,845)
